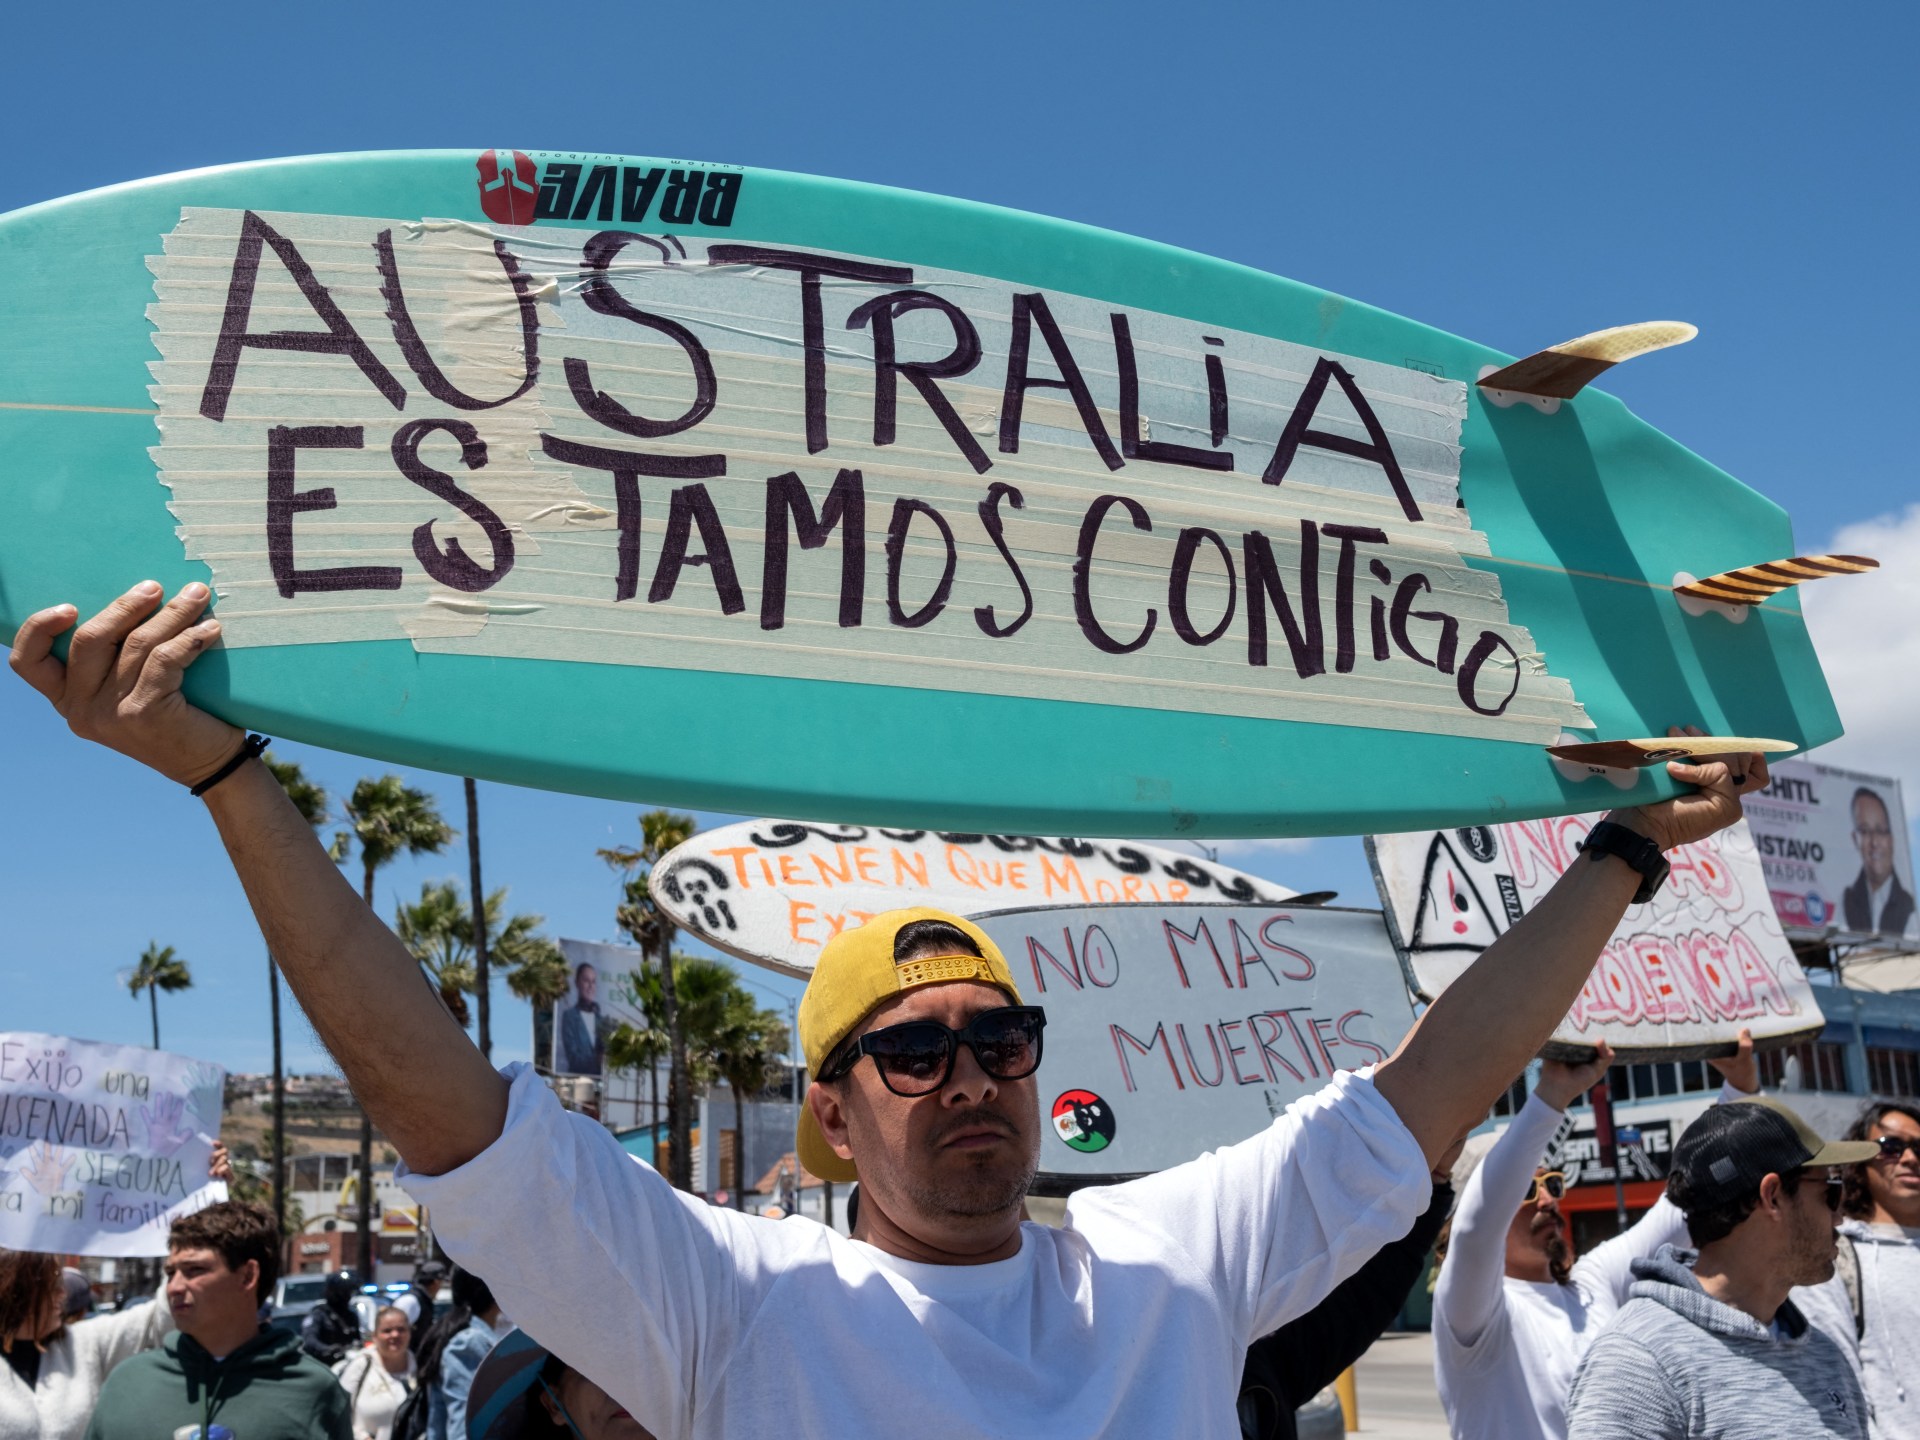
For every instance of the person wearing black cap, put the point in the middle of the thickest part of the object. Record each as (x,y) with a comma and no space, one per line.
(418,1302)
(1710,1345)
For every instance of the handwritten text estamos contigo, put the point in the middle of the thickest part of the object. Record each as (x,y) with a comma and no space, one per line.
(1280,586)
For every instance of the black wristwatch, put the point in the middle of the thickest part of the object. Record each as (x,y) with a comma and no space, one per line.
(1636,849)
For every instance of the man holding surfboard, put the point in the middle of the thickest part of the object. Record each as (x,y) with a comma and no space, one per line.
(1133,1318)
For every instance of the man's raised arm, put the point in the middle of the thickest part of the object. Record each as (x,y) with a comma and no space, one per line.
(420,1078)
(1491,1021)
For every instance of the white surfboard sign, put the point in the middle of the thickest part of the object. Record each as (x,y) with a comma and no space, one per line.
(774,891)
(1175,1029)
(1679,977)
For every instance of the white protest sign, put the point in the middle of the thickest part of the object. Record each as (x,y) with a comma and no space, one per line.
(102,1146)
(774,891)
(1833,844)
(1175,1029)
(1680,975)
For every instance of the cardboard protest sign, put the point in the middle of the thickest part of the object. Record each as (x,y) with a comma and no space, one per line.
(1833,845)
(1680,975)
(774,891)
(102,1146)
(1175,1029)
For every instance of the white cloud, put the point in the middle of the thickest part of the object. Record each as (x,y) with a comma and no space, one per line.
(1244,849)
(1866,630)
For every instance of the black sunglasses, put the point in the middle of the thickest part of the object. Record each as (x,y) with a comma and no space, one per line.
(1833,1188)
(916,1058)
(1892,1147)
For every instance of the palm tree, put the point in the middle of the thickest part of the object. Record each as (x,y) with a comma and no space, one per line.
(435,930)
(159,969)
(641,918)
(749,1051)
(438,930)
(311,801)
(709,1003)
(387,817)
(637,1047)
(482,976)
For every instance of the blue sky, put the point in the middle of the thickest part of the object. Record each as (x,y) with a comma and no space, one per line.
(1519,176)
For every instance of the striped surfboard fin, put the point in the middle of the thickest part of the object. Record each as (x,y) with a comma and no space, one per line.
(1751,584)
(1562,371)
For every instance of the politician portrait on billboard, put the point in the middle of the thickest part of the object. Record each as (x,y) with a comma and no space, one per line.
(1876,903)
(571,1037)
(1834,847)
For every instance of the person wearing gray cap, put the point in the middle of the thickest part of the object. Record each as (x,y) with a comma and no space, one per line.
(1710,1345)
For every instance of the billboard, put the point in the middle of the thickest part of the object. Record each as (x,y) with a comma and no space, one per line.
(570,1037)
(1678,978)
(1834,846)
(774,891)
(1175,1029)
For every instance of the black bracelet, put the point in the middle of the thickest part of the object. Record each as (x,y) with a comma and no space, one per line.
(255,746)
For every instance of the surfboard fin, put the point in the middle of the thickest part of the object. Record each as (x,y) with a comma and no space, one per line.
(1562,371)
(1638,754)
(1752,584)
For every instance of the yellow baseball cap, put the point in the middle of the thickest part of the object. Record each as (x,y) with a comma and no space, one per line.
(856,973)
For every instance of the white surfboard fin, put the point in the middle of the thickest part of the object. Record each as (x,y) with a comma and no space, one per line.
(1638,754)
(1752,584)
(1562,371)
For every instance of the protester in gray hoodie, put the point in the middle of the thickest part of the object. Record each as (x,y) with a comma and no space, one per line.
(1872,1305)
(1709,1347)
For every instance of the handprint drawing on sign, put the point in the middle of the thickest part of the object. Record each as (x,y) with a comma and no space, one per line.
(167,1125)
(206,1090)
(46,1168)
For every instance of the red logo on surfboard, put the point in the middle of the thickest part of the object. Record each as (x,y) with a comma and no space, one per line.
(509,187)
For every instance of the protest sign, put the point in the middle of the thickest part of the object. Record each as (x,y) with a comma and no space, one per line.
(1833,845)
(102,1146)
(774,891)
(1175,1029)
(878,505)
(1680,975)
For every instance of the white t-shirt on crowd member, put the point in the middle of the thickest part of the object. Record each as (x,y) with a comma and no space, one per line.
(1133,1318)
(1505,1351)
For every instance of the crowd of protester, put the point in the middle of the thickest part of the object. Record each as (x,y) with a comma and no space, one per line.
(1205,1299)
(1771,1291)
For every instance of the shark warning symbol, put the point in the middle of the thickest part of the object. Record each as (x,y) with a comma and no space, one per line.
(1452,915)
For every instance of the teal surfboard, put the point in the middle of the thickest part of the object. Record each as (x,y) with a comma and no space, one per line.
(760,492)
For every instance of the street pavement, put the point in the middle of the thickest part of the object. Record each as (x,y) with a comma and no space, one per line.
(1395,1388)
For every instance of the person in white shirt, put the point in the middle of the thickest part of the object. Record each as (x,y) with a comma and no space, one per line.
(945,1309)
(1513,1313)
(1872,1304)
(379,1375)
(54,1365)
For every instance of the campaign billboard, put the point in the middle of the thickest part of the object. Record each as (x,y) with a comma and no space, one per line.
(774,891)
(570,1037)
(1678,978)
(1175,1029)
(1834,846)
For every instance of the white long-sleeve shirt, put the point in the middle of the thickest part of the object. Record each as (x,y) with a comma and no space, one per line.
(1505,1351)
(1133,1318)
(73,1368)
